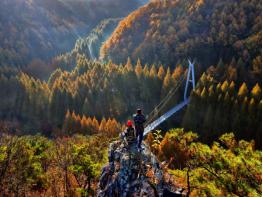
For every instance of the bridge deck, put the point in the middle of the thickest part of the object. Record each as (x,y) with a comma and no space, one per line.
(165,116)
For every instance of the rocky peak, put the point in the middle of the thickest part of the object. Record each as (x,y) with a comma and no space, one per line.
(133,173)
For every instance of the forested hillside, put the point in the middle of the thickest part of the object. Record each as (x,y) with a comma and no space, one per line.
(208,30)
(35,165)
(38,166)
(218,107)
(72,72)
(91,89)
(42,29)
(227,167)
(115,91)
(89,46)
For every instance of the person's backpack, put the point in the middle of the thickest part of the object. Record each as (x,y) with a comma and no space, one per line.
(139,119)
(130,135)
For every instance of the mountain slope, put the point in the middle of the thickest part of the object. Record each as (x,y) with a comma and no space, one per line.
(45,28)
(88,46)
(167,31)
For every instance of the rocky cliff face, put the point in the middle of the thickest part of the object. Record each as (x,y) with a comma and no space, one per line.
(134,173)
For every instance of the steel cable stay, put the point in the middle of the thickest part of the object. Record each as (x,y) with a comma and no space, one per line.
(164,101)
(190,79)
(175,90)
(154,112)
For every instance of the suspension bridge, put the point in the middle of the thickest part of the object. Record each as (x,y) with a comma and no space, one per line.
(190,81)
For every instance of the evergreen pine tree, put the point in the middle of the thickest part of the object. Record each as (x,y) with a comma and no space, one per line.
(167,79)
(243,90)
(74,123)
(138,68)
(161,73)
(218,88)
(225,86)
(128,66)
(204,94)
(211,93)
(256,92)
(178,72)
(231,88)
(203,80)
(153,72)
(146,70)
(95,125)
(103,127)
(84,126)
(89,124)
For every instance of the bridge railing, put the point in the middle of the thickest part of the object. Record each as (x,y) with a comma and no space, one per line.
(161,119)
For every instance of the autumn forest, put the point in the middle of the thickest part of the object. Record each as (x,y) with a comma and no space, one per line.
(73,72)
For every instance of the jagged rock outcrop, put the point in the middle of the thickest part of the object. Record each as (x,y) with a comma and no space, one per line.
(133,173)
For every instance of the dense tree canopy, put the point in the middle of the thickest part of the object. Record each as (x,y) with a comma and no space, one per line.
(45,28)
(91,89)
(227,167)
(67,103)
(34,165)
(167,31)
(218,107)
(54,131)
(88,47)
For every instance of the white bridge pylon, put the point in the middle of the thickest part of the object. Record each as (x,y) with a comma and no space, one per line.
(190,79)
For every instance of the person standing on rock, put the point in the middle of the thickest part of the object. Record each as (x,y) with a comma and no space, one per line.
(139,120)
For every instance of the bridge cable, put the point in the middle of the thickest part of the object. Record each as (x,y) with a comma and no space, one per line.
(161,103)
(164,104)
(165,100)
